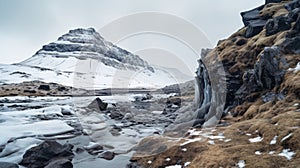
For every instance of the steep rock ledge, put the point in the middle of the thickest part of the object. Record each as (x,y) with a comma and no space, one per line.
(254,64)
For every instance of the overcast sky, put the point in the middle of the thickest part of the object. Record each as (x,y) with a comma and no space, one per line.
(27,25)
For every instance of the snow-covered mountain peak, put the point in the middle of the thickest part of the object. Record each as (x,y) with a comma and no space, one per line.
(84,44)
(81,35)
(84,59)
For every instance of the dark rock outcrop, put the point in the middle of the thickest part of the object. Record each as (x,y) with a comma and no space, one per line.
(292,5)
(253,21)
(8,165)
(49,153)
(44,87)
(266,74)
(107,155)
(278,24)
(98,104)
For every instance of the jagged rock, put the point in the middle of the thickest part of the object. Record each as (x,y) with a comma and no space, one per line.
(98,104)
(209,97)
(266,74)
(292,45)
(249,16)
(253,21)
(292,5)
(254,28)
(116,115)
(8,165)
(107,155)
(46,153)
(204,52)
(296,27)
(44,87)
(293,15)
(271,97)
(278,24)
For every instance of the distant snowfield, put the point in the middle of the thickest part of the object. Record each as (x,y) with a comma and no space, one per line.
(88,74)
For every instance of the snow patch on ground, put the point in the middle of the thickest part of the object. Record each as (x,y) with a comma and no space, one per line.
(287,153)
(296,69)
(257,153)
(286,137)
(174,166)
(274,140)
(241,164)
(186,164)
(190,141)
(257,139)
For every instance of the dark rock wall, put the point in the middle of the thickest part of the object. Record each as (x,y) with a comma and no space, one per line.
(253,60)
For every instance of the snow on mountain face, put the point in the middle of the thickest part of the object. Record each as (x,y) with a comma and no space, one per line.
(83,44)
(83,59)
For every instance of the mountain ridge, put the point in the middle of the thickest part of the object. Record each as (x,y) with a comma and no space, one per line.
(83,58)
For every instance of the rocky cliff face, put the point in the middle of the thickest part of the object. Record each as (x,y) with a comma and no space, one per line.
(256,59)
(257,69)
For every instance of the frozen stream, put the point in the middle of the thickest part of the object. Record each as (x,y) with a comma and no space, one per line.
(27,121)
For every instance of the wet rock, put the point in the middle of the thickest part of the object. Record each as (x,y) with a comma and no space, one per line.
(79,150)
(147,96)
(98,104)
(47,153)
(60,163)
(66,111)
(116,115)
(44,87)
(210,87)
(278,24)
(93,148)
(8,165)
(107,155)
(115,130)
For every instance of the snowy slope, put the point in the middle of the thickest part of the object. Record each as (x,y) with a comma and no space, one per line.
(82,58)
